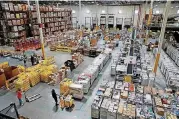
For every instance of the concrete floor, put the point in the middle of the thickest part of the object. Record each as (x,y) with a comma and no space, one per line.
(44,108)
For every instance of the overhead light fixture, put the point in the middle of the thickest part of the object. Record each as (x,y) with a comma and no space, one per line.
(92,2)
(136,11)
(103,11)
(177,6)
(156,5)
(88,11)
(120,11)
(73,12)
(172,7)
(177,11)
(157,12)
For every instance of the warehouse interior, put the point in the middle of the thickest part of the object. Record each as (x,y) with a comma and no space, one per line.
(89,59)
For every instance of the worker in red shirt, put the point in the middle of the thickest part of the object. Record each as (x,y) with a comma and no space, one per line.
(19,96)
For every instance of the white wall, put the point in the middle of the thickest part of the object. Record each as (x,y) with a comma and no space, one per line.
(161,8)
(127,12)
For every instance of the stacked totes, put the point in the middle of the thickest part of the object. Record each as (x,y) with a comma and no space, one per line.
(34,78)
(44,76)
(22,82)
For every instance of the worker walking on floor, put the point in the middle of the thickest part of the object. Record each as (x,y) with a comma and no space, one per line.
(25,60)
(32,60)
(19,96)
(54,95)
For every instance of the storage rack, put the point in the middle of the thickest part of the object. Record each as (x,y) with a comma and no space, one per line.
(17,22)
(54,20)
(2,28)
(14,18)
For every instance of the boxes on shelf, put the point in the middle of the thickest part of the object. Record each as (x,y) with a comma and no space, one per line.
(95,107)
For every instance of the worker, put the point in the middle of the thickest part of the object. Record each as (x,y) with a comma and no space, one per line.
(32,59)
(19,96)
(54,95)
(25,60)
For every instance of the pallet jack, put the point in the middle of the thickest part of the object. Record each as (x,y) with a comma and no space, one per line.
(32,98)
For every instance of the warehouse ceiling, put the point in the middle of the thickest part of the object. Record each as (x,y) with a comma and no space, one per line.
(101,2)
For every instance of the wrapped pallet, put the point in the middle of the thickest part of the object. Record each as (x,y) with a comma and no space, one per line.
(95,107)
(112,109)
(160,111)
(116,95)
(22,83)
(21,68)
(120,110)
(4,65)
(86,84)
(170,115)
(139,98)
(129,111)
(76,90)
(158,102)
(44,76)
(104,108)
(34,78)
(64,85)
(124,94)
(92,71)
(52,68)
(48,61)
(131,97)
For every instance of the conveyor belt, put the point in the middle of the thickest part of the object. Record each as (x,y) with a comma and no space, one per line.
(130,69)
